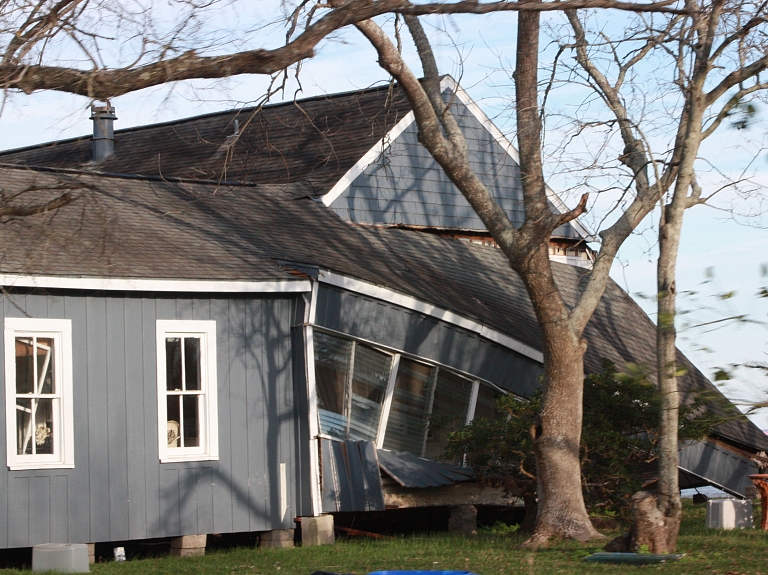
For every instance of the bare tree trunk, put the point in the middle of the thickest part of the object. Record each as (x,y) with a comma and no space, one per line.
(668,490)
(557,434)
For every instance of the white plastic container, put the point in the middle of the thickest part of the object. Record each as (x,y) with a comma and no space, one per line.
(729,514)
(61,557)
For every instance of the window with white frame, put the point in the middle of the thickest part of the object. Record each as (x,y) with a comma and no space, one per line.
(38,393)
(186,390)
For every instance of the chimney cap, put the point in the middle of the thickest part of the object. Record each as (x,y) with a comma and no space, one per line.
(105,111)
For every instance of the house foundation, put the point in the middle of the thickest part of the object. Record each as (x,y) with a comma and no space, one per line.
(317,531)
(277,538)
(463,520)
(189,546)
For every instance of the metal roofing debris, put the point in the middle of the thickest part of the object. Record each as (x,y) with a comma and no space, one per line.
(351,480)
(412,471)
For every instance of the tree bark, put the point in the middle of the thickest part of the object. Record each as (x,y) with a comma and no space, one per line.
(557,435)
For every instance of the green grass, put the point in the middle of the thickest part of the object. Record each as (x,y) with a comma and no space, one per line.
(707,552)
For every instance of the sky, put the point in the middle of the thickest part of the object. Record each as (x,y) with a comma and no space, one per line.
(723,256)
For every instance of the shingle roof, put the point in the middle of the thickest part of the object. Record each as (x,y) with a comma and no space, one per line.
(138,228)
(315,140)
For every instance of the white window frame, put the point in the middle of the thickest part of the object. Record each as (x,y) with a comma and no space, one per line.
(209,420)
(60,330)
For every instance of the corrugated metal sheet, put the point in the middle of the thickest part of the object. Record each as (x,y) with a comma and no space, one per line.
(351,480)
(411,471)
(717,466)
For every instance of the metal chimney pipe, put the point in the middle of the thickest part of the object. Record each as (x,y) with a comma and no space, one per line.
(103,131)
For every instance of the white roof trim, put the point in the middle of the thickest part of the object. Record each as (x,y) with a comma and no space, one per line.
(369,157)
(501,139)
(126,284)
(382,293)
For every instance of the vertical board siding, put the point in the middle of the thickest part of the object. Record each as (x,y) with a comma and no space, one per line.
(426,337)
(118,489)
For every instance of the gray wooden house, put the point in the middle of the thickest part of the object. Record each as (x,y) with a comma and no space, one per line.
(249,317)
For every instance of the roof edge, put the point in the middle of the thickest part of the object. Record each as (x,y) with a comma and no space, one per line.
(156,285)
(412,303)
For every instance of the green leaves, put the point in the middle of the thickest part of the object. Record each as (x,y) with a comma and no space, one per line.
(621,414)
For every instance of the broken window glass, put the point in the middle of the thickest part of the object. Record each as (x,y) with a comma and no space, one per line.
(332,359)
(351,381)
(486,403)
(407,422)
(449,410)
(370,375)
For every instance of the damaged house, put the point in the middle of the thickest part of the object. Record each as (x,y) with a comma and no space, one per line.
(250,317)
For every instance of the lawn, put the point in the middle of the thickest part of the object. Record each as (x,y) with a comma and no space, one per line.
(707,552)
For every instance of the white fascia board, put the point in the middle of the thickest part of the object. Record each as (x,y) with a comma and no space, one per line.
(370,156)
(126,284)
(408,302)
(507,146)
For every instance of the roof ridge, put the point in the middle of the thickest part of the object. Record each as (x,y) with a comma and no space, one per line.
(199,117)
(146,177)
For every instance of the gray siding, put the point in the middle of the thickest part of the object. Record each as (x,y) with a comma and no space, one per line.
(427,337)
(118,490)
(717,466)
(405,185)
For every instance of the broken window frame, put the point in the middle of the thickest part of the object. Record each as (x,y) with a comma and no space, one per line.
(386,405)
(207,406)
(59,331)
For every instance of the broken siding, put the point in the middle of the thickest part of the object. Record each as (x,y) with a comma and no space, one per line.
(118,489)
(416,334)
(406,186)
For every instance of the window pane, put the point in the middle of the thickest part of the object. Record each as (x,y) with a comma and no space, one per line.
(407,415)
(486,403)
(23,426)
(191,431)
(192,362)
(174,419)
(331,372)
(173,363)
(369,384)
(43,410)
(25,366)
(449,410)
(45,365)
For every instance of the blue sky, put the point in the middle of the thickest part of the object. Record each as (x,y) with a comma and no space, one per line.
(719,254)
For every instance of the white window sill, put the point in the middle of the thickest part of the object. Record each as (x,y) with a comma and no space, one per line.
(40,465)
(182,458)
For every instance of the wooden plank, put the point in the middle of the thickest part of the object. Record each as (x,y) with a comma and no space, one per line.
(78,486)
(98,432)
(259,433)
(188,500)
(150,308)
(136,424)
(170,519)
(222,470)
(59,509)
(39,509)
(238,415)
(117,407)
(18,509)
(396,497)
(205,500)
